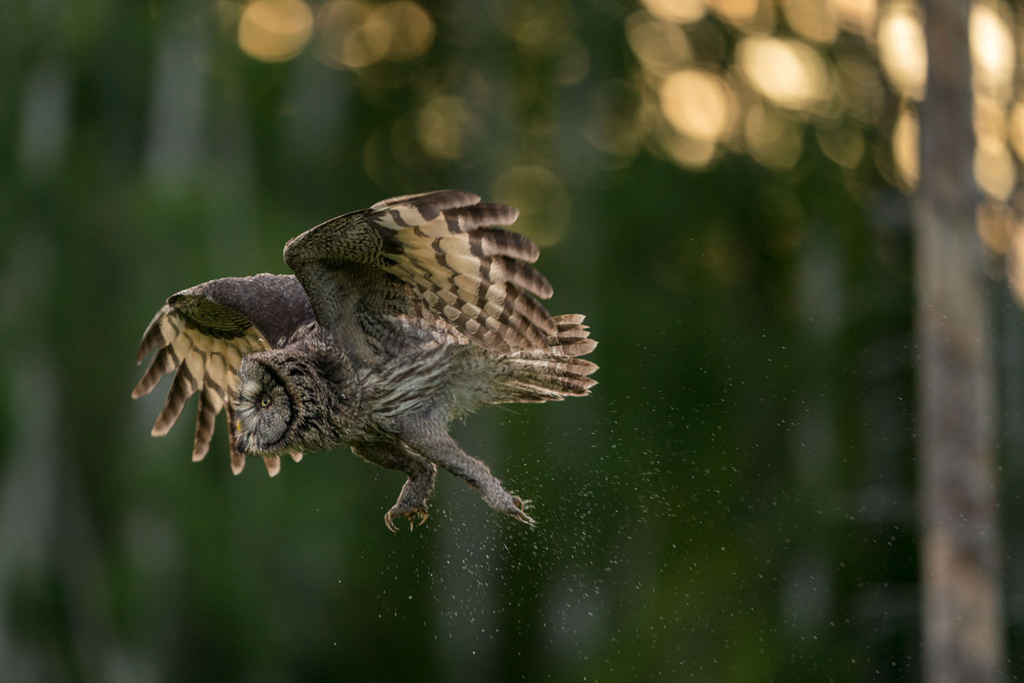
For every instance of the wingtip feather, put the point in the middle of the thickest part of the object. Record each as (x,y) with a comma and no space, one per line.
(152,336)
(442,199)
(273,464)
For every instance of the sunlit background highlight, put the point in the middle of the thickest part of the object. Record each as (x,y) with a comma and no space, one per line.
(772,85)
(785,69)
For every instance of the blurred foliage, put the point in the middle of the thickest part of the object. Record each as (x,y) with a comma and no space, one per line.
(713,183)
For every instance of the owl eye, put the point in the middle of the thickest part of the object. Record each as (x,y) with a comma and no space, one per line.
(265,401)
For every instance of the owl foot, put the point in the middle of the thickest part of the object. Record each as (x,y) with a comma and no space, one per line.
(519,509)
(401,511)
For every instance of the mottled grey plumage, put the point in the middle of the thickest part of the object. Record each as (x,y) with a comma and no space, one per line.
(398,319)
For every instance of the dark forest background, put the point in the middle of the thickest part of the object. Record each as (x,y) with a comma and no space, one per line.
(724,187)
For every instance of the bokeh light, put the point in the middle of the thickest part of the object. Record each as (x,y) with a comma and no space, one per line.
(542,199)
(573,64)
(901,48)
(992,52)
(678,11)
(861,89)
(788,72)
(995,171)
(844,146)
(906,146)
(993,56)
(856,16)
(1016,128)
(684,151)
(996,225)
(661,47)
(776,85)
(990,124)
(744,14)
(351,36)
(274,30)
(411,27)
(539,27)
(1015,265)
(444,125)
(356,35)
(772,139)
(814,20)
(405,151)
(698,104)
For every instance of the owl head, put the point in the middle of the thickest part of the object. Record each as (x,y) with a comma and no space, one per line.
(266,408)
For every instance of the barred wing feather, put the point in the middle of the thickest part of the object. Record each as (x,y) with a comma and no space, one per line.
(201,335)
(475,276)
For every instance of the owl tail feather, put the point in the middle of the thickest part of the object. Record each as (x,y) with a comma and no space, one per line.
(553,373)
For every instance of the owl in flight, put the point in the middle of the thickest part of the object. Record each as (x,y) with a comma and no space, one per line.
(398,319)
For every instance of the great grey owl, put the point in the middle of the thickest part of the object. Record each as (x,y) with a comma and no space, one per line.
(399,318)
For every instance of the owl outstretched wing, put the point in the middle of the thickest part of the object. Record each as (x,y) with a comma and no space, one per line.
(444,249)
(201,335)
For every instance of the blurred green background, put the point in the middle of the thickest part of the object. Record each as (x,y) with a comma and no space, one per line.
(713,183)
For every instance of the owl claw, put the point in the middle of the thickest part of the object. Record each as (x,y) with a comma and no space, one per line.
(389,518)
(519,512)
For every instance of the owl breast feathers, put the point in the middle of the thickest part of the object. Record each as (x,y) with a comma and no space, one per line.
(398,319)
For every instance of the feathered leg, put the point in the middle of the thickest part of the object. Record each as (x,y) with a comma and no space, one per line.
(412,501)
(434,444)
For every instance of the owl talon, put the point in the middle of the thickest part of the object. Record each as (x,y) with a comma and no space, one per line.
(393,513)
(519,512)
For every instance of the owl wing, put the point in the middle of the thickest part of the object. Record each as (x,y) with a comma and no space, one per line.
(440,246)
(201,335)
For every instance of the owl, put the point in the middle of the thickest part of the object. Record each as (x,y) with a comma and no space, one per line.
(397,320)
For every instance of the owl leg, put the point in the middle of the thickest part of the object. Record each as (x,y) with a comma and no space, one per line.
(437,446)
(412,501)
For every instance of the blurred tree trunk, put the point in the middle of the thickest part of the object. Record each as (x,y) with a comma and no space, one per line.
(960,547)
